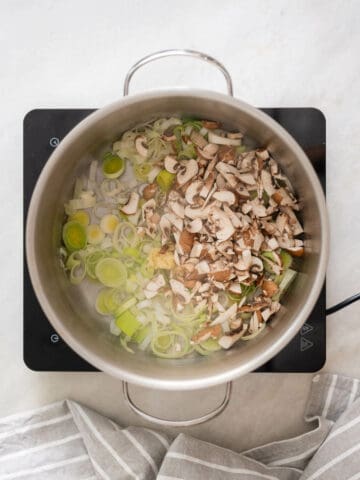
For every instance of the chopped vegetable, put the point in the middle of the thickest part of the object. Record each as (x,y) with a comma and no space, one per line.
(165,180)
(127,323)
(74,236)
(113,166)
(191,236)
(111,272)
(109,223)
(81,217)
(94,234)
(286,259)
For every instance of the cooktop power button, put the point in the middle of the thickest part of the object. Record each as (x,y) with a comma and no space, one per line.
(54,338)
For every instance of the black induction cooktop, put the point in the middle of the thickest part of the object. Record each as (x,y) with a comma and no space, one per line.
(44,350)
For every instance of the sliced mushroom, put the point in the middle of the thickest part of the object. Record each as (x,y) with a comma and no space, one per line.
(227,315)
(256,264)
(296,251)
(132,205)
(218,307)
(204,287)
(267,182)
(235,135)
(206,333)
(258,209)
(269,288)
(155,218)
(254,323)
(281,221)
(202,267)
(257,241)
(169,135)
(165,227)
(177,259)
(198,139)
(276,258)
(274,167)
(221,275)
(235,220)
(247,178)
(178,247)
(214,138)
(196,250)
(235,288)
(224,227)
(208,185)
(281,197)
(243,277)
(266,314)
(227,154)
(209,151)
(222,168)
(187,171)
(209,168)
(194,226)
(140,145)
(225,196)
(228,341)
(252,308)
(294,222)
(153,174)
(195,213)
(277,197)
(272,243)
(178,209)
(225,248)
(152,288)
(175,220)
(275,267)
(210,124)
(275,307)
(269,228)
(247,160)
(247,258)
(174,196)
(148,209)
(263,154)
(171,164)
(180,291)
(236,325)
(149,191)
(193,190)
(186,241)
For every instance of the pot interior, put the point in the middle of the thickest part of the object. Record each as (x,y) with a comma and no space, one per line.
(71,308)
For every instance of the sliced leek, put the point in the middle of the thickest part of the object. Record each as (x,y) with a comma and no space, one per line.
(74,236)
(113,166)
(165,180)
(94,234)
(81,217)
(111,272)
(109,223)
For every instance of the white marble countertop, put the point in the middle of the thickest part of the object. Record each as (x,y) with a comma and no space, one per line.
(76,54)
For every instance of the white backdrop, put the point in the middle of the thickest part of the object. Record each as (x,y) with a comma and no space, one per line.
(280,53)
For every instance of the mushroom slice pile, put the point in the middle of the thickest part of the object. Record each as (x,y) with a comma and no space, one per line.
(230,215)
(193,236)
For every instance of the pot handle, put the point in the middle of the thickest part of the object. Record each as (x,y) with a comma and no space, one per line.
(177,423)
(174,52)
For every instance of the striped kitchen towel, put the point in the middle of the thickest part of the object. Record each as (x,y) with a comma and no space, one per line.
(69,441)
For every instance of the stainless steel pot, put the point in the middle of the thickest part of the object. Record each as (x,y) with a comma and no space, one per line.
(71,311)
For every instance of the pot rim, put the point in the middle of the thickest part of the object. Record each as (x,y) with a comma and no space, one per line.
(216,378)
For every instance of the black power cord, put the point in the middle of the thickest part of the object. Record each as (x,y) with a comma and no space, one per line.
(343,304)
